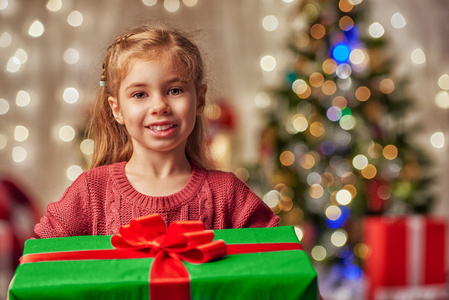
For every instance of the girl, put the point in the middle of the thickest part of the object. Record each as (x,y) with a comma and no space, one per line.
(150,146)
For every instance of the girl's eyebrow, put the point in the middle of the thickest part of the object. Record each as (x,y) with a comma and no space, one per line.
(142,84)
(135,85)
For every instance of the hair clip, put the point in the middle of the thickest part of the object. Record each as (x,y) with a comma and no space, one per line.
(102,83)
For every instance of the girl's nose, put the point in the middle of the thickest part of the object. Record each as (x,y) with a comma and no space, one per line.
(159,105)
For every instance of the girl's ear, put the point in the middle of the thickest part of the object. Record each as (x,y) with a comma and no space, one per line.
(201,99)
(113,102)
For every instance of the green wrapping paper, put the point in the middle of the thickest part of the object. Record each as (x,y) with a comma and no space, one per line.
(262,275)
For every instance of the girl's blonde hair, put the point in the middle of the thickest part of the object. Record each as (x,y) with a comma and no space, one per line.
(112,140)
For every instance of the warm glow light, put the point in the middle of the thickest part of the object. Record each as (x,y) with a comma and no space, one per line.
(21,133)
(75,18)
(4,106)
(67,133)
(54,5)
(36,29)
(300,122)
(3,4)
(270,23)
(418,57)
(339,238)
(437,140)
(442,99)
(318,253)
(171,5)
(73,172)
(272,198)
(316,191)
(345,5)
(287,158)
(443,82)
(329,87)
(357,56)
(71,56)
(347,122)
(307,161)
(317,31)
(21,55)
(23,99)
(333,212)
(5,40)
(13,65)
(71,95)
(3,141)
(343,71)
(299,86)
(398,21)
(268,63)
(262,100)
(344,197)
(19,154)
(390,152)
(87,146)
(360,162)
(369,172)
(386,86)
(376,30)
(316,79)
(329,66)
(362,93)
(346,23)
(302,39)
(190,3)
(340,102)
(317,129)
(149,2)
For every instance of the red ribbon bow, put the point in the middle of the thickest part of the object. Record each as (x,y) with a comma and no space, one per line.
(186,241)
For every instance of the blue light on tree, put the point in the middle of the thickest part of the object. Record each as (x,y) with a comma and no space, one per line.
(345,212)
(341,52)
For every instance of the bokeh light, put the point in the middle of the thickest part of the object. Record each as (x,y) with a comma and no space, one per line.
(19,154)
(21,133)
(23,99)
(73,172)
(339,238)
(443,82)
(418,57)
(4,106)
(318,253)
(376,30)
(437,140)
(67,133)
(172,5)
(268,63)
(398,21)
(75,18)
(36,29)
(270,23)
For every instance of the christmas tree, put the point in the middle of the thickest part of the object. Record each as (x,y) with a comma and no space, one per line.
(337,147)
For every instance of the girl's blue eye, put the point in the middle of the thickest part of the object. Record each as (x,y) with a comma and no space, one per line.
(175,91)
(139,95)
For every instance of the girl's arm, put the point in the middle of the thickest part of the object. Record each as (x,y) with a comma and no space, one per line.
(247,209)
(69,215)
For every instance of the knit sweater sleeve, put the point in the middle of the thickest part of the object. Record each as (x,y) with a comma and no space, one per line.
(246,209)
(68,216)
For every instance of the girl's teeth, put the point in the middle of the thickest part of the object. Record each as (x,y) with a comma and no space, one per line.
(161,127)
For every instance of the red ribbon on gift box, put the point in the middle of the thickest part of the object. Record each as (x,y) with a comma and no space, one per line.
(182,241)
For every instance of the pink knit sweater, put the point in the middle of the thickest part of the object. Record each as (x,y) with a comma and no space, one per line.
(101,200)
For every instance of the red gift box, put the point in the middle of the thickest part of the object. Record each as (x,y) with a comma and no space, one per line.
(408,257)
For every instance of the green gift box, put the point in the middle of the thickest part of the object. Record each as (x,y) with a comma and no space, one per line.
(286,274)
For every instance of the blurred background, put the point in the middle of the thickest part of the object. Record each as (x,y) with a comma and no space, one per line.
(333,111)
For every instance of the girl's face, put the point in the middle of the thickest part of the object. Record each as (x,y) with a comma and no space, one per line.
(158,109)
